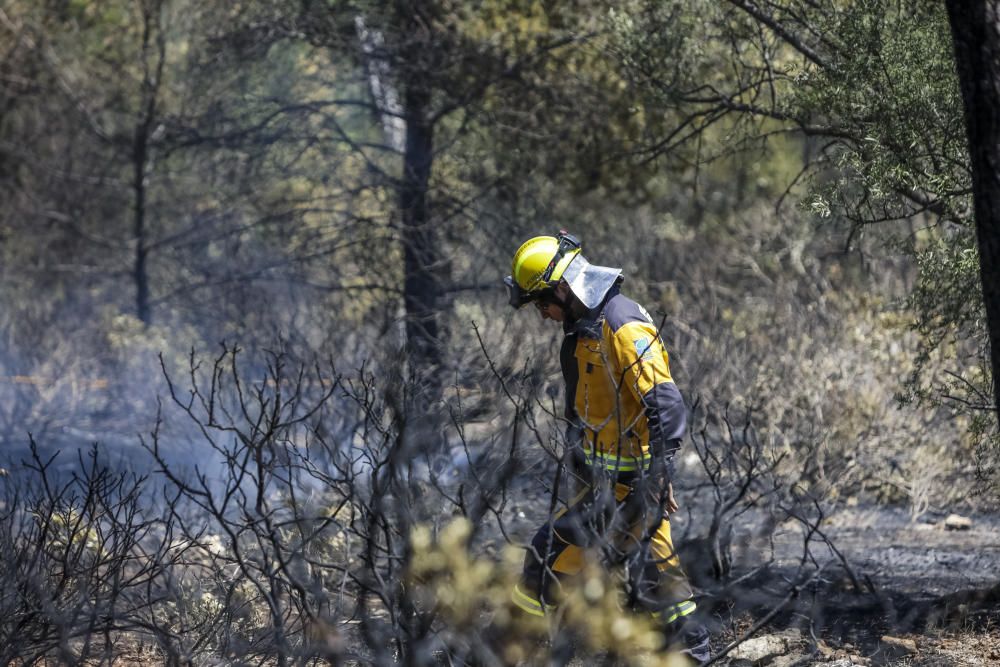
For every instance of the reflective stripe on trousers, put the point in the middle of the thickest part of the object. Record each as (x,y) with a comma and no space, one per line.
(675,611)
(529,604)
(616,463)
(535,607)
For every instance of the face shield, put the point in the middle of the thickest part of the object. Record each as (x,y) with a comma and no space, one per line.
(589,282)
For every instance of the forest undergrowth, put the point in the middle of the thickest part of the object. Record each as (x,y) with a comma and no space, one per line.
(292,513)
(317,525)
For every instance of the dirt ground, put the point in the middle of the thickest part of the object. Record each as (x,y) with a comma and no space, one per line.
(929,596)
(923,557)
(943,579)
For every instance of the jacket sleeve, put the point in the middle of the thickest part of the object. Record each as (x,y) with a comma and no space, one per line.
(645,371)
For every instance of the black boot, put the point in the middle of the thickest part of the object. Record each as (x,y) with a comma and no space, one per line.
(688,636)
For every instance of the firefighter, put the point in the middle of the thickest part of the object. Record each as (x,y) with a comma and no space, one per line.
(625,420)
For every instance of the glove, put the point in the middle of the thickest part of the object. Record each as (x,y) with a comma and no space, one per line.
(660,489)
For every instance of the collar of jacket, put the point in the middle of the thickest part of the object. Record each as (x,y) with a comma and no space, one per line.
(589,325)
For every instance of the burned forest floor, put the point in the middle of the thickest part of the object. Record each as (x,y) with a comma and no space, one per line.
(895,591)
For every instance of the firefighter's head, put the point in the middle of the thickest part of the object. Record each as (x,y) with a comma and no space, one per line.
(550,272)
(537,270)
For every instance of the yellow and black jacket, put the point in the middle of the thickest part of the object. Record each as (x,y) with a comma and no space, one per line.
(619,390)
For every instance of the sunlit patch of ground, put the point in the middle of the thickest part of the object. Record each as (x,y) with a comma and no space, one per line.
(961,649)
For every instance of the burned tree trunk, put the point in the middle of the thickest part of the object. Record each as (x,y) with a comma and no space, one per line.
(139,271)
(975,26)
(141,145)
(422,254)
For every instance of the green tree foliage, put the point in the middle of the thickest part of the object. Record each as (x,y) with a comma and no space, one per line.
(464,105)
(871,90)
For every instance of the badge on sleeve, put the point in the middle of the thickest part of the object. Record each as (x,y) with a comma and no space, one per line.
(643,348)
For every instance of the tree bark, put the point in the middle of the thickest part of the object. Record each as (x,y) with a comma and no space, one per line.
(141,139)
(380,84)
(975,26)
(422,255)
(139,272)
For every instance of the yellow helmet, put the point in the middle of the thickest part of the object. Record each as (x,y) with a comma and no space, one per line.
(538,265)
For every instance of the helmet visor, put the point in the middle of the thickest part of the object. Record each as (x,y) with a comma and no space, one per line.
(516,296)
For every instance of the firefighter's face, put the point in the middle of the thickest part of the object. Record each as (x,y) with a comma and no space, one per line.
(549,309)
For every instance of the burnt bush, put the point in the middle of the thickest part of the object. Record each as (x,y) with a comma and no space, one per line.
(332,517)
